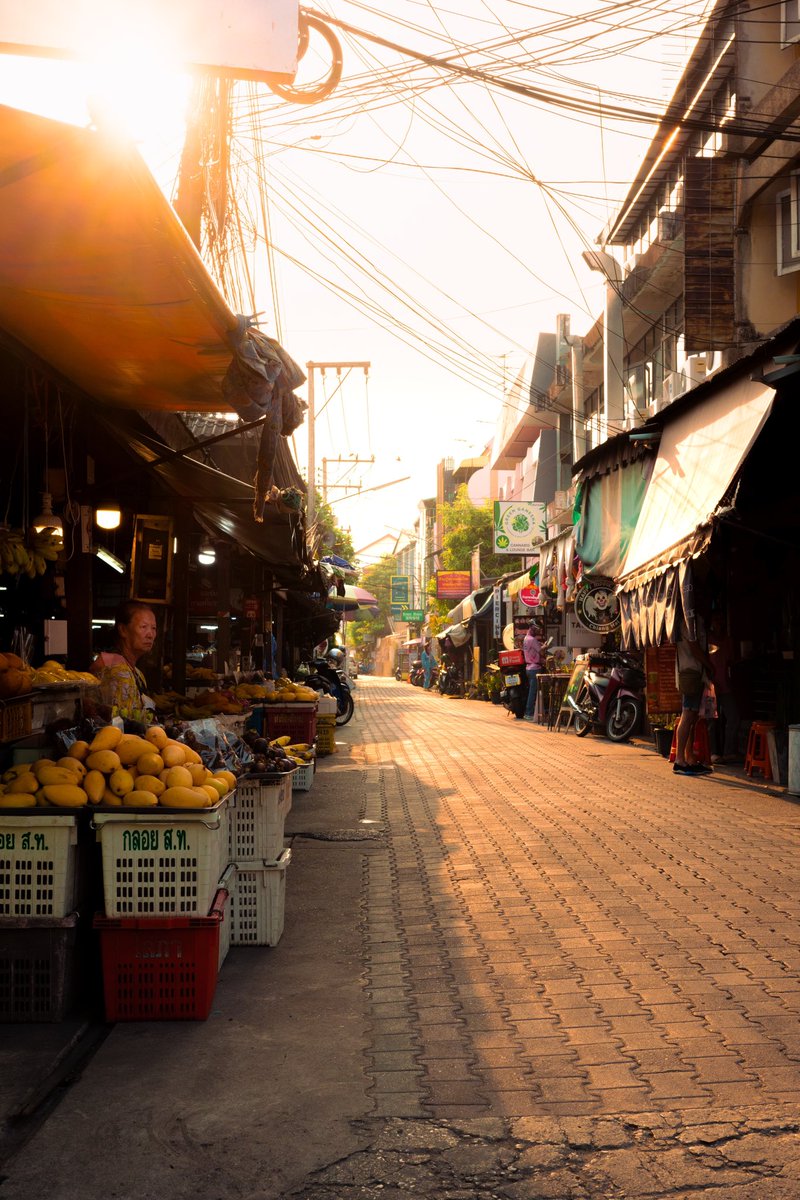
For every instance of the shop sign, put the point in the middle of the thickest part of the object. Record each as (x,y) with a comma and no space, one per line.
(530,596)
(452,585)
(596,605)
(400,589)
(497,612)
(413,614)
(519,526)
(397,611)
(250,608)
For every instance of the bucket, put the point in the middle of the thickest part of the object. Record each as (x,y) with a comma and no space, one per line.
(663,740)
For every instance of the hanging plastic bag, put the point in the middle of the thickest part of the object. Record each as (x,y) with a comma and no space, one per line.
(708,703)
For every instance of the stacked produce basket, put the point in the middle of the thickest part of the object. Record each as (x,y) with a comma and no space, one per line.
(257,851)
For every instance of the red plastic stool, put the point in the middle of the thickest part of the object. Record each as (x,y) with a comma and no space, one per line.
(757,757)
(700,746)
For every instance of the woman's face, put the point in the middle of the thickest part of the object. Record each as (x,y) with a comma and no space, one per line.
(139,635)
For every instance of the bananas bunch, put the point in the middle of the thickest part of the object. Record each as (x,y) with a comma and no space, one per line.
(21,557)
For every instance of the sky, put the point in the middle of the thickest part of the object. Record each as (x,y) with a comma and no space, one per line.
(423,222)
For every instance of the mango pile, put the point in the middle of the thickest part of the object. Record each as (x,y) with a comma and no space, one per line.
(118,770)
(287,692)
(55,672)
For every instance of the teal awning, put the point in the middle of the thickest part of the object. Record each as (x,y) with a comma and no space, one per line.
(609,510)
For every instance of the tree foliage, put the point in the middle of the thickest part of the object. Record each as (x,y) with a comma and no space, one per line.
(334,539)
(378,580)
(466,525)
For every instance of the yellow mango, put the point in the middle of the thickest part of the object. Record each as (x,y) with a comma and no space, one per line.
(174,755)
(105,739)
(182,797)
(103,760)
(78,750)
(150,783)
(150,763)
(26,783)
(120,782)
(197,772)
(17,800)
(131,748)
(191,755)
(212,793)
(220,786)
(228,776)
(66,795)
(110,800)
(140,799)
(179,777)
(157,736)
(94,785)
(50,775)
(72,764)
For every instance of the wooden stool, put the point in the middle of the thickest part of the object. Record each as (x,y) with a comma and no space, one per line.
(757,757)
(701,747)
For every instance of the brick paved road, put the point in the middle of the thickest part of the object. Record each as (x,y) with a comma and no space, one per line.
(564,928)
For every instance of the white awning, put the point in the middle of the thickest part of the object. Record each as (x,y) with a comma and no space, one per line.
(698,457)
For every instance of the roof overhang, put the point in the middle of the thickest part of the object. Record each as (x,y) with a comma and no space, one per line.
(98,277)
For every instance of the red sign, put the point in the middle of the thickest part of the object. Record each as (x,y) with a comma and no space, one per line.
(452,585)
(250,608)
(530,596)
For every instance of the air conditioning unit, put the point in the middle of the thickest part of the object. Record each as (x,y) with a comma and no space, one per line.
(694,370)
(674,386)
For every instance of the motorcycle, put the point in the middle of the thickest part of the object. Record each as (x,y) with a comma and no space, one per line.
(610,696)
(449,681)
(514,692)
(417,675)
(321,675)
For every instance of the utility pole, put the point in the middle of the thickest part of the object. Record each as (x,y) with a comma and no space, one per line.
(352,461)
(338,367)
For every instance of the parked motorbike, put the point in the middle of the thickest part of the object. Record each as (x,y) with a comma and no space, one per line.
(514,692)
(610,696)
(417,675)
(449,681)
(321,675)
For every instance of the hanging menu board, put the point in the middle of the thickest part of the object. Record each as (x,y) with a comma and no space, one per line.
(662,693)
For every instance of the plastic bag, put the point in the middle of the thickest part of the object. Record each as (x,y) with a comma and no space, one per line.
(708,703)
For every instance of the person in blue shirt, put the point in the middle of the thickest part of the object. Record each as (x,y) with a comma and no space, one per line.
(428,662)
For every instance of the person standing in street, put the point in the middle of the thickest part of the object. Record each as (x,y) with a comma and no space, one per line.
(428,662)
(532,650)
(693,668)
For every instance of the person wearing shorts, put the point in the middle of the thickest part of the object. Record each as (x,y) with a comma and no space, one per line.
(691,662)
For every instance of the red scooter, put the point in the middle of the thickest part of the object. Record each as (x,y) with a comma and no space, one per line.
(610,696)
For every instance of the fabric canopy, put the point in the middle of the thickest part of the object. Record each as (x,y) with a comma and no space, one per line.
(98,276)
(515,586)
(610,508)
(699,455)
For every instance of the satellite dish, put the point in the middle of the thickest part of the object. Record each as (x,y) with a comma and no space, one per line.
(508,637)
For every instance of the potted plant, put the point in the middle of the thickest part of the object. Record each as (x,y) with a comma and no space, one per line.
(663,727)
(493,682)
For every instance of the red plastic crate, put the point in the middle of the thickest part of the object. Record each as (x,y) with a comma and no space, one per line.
(511,658)
(161,968)
(299,721)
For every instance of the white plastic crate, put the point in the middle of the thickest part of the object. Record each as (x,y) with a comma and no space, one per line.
(38,864)
(228,882)
(302,778)
(257,903)
(159,863)
(257,815)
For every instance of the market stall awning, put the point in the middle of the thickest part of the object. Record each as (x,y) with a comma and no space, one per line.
(699,455)
(515,586)
(97,274)
(610,505)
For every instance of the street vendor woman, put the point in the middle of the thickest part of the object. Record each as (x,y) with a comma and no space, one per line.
(122,685)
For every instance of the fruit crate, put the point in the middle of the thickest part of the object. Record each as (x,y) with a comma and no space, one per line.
(302,778)
(258,901)
(39,968)
(158,864)
(326,735)
(38,864)
(161,968)
(257,814)
(16,718)
(299,721)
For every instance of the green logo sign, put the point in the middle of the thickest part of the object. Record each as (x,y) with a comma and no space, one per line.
(413,614)
(400,594)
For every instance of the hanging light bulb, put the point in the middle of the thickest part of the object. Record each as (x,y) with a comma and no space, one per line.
(108,516)
(206,555)
(47,518)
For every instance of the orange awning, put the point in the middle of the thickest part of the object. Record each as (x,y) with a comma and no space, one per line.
(98,276)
